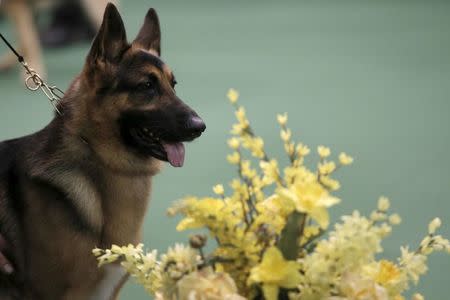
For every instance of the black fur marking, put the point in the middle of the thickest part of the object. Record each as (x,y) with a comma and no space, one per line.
(143,57)
(11,212)
(14,192)
(164,124)
(134,120)
(8,150)
(10,182)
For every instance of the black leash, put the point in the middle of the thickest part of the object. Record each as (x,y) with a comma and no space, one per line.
(19,57)
(34,82)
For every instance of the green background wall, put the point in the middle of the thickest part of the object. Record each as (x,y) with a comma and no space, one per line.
(368,77)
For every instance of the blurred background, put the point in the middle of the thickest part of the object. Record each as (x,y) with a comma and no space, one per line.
(369,77)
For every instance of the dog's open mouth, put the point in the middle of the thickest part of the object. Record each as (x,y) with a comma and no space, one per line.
(155,145)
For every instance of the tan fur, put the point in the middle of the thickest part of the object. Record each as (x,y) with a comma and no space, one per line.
(124,205)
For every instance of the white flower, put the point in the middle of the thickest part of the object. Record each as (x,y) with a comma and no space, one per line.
(383,204)
(207,285)
(435,224)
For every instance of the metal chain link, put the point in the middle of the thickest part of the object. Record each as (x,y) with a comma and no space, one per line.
(34,82)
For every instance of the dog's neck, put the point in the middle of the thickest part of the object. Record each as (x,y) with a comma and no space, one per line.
(124,193)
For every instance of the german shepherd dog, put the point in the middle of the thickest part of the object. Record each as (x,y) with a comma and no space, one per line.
(84,180)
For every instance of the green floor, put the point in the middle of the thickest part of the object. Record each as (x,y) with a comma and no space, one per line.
(368,77)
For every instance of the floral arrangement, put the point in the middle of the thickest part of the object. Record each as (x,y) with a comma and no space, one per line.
(272,238)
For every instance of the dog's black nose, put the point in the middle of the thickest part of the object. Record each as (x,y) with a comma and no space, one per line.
(195,125)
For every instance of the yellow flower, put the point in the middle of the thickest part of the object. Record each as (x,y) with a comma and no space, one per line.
(289,148)
(233,95)
(198,212)
(395,219)
(246,169)
(276,205)
(270,169)
(311,231)
(311,198)
(282,119)
(218,189)
(383,204)
(285,135)
(302,150)
(330,183)
(415,264)
(323,151)
(97,251)
(387,272)
(345,159)
(327,168)
(354,287)
(254,144)
(234,143)
(234,158)
(240,115)
(275,272)
(435,224)
(238,129)
(417,296)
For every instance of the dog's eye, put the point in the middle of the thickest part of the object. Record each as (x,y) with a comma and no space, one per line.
(174,83)
(149,85)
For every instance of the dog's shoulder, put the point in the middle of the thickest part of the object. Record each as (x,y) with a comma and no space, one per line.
(14,159)
(8,151)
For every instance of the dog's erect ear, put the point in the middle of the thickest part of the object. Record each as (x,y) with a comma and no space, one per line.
(111,39)
(149,37)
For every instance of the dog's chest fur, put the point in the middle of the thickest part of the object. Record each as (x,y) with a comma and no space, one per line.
(112,208)
(124,210)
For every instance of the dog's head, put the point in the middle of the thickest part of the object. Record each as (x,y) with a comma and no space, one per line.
(132,109)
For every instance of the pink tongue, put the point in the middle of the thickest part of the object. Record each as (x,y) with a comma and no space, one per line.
(175,153)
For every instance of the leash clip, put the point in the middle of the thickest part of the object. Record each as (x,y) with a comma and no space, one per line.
(34,81)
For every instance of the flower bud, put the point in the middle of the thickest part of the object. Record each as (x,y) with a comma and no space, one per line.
(198,241)
(435,224)
(323,151)
(383,204)
(218,189)
(233,95)
(282,119)
(345,159)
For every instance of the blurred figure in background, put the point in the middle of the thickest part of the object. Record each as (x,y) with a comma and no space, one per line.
(68,24)
(70,21)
